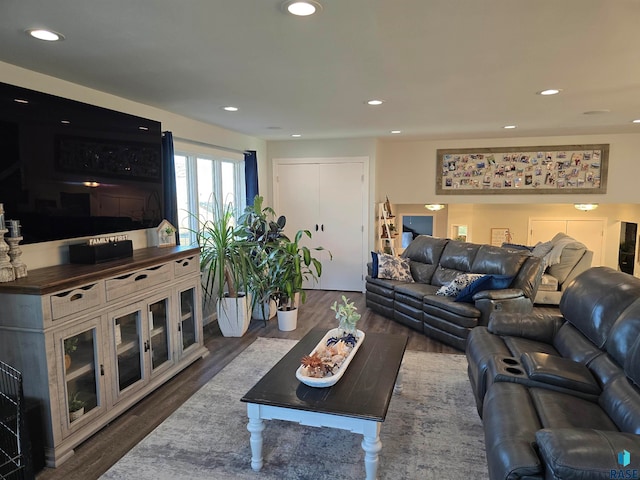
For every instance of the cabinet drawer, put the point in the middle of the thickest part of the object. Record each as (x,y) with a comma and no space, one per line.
(75,300)
(185,266)
(137,281)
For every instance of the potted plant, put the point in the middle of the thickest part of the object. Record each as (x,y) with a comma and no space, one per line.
(76,406)
(290,264)
(259,226)
(347,316)
(227,270)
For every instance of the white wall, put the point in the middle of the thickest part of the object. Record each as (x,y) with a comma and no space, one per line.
(52,253)
(407,170)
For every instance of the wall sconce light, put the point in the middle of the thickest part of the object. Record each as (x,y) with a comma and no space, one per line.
(586,207)
(434,207)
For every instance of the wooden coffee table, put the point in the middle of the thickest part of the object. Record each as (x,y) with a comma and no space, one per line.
(358,402)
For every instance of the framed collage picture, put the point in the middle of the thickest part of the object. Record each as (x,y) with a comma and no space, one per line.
(511,170)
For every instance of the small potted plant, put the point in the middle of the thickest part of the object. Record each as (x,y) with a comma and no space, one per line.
(76,406)
(347,316)
(290,264)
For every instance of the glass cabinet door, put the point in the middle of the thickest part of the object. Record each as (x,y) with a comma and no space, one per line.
(128,339)
(188,318)
(82,372)
(160,341)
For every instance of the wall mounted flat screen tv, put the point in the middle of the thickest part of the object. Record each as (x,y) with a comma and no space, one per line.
(69,169)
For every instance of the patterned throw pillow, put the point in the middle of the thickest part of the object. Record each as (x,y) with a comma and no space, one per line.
(394,268)
(453,288)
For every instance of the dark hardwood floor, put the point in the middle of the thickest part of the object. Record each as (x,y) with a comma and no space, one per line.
(93,457)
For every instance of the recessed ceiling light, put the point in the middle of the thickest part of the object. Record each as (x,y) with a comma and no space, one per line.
(637,120)
(21,100)
(395,132)
(301,8)
(375,102)
(229,108)
(296,135)
(66,122)
(46,35)
(142,127)
(549,91)
(510,127)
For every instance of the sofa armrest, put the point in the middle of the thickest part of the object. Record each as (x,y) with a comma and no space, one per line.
(502,294)
(577,453)
(535,326)
(509,300)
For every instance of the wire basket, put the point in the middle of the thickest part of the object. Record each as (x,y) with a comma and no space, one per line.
(14,443)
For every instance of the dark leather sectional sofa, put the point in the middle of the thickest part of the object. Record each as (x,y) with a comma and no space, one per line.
(559,395)
(435,262)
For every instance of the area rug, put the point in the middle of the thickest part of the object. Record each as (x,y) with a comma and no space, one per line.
(432,430)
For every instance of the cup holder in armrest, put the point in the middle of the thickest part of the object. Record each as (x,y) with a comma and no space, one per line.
(514,371)
(510,361)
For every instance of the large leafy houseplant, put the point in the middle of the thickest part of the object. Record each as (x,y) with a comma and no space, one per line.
(227,269)
(290,264)
(259,226)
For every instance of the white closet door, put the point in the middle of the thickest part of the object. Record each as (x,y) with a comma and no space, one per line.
(341,229)
(545,230)
(328,200)
(591,233)
(298,198)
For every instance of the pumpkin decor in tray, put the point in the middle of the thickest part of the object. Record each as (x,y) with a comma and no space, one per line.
(326,364)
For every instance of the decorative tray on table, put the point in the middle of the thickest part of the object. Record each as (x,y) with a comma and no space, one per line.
(330,378)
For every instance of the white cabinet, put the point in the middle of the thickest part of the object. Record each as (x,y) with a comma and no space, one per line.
(328,198)
(92,340)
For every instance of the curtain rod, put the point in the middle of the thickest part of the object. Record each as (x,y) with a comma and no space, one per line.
(204,144)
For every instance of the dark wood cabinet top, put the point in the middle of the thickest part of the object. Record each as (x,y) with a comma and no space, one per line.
(364,390)
(46,280)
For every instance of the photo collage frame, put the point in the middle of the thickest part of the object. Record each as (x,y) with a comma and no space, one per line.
(512,170)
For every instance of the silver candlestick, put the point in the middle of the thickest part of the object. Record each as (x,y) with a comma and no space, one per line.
(7,274)
(15,254)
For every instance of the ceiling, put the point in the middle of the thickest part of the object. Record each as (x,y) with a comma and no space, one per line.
(445,68)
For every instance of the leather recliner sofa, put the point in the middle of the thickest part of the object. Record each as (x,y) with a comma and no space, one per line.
(559,395)
(435,262)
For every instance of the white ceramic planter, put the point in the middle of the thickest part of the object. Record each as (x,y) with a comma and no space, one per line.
(287,320)
(234,315)
(73,416)
(270,309)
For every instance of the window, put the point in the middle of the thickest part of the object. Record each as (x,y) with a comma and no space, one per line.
(201,180)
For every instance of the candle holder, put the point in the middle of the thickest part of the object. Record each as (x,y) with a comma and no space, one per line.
(7,274)
(15,254)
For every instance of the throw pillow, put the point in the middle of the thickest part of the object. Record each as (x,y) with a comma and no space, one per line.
(374,265)
(394,268)
(455,286)
(488,282)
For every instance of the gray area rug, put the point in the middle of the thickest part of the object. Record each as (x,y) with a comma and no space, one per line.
(432,430)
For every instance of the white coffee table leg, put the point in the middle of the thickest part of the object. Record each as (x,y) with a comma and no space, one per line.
(371,445)
(255,427)
(398,386)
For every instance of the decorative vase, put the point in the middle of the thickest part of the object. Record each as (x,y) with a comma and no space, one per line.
(287,319)
(73,416)
(234,315)
(67,361)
